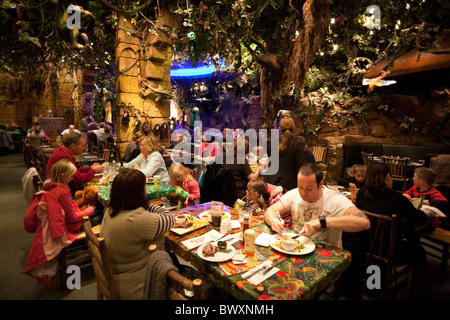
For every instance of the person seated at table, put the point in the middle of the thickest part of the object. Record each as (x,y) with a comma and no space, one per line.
(308,154)
(107,136)
(56,225)
(257,197)
(150,160)
(70,129)
(130,214)
(33,129)
(356,181)
(180,176)
(317,211)
(242,172)
(133,148)
(424,179)
(74,144)
(255,155)
(377,196)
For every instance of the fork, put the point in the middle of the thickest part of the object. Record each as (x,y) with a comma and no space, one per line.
(260,271)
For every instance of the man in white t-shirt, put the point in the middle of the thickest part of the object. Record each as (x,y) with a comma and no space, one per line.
(317,211)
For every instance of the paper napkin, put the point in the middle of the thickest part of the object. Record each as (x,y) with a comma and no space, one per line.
(257,277)
(212,235)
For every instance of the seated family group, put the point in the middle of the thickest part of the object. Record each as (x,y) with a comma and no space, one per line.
(295,198)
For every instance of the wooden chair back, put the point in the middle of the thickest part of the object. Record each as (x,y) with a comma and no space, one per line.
(30,158)
(319,153)
(366,157)
(93,143)
(106,154)
(382,252)
(106,286)
(176,280)
(36,142)
(397,166)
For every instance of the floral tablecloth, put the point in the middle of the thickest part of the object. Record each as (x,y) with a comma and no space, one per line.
(300,277)
(153,192)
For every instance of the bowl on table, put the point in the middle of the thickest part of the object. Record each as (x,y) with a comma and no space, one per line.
(288,244)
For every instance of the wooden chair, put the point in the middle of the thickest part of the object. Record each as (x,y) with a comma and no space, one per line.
(397,167)
(93,143)
(320,153)
(106,286)
(29,156)
(106,154)
(366,157)
(36,142)
(176,280)
(382,252)
(440,239)
(76,253)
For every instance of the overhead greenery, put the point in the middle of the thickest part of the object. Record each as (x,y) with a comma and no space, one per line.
(265,40)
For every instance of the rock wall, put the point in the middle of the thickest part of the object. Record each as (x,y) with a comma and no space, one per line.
(143,80)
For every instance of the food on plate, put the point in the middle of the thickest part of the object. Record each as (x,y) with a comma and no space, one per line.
(222,247)
(209,250)
(183,221)
(288,244)
(297,246)
(189,222)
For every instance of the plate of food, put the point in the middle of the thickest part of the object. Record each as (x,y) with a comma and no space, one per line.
(296,247)
(205,215)
(218,251)
(186,223)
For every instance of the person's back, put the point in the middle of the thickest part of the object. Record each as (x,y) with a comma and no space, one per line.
(130,214)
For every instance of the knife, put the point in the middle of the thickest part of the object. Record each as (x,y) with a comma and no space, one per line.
(273,266)
(251,274)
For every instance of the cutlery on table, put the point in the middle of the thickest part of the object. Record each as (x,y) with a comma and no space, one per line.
(273,266)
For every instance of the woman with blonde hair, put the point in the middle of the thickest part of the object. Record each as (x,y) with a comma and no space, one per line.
(150,160)
(291,156)
(180,176)
(56,220)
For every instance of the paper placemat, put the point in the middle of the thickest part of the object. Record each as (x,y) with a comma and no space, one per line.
(257,278)
(212,235)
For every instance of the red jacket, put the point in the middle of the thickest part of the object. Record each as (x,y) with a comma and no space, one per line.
(58,216)
(434,196)
(81,176)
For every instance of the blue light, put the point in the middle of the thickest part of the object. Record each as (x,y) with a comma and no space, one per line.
(182,70)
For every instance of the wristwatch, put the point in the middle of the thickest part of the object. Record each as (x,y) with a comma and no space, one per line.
(323,222)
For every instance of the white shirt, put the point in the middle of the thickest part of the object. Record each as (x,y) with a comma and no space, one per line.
(152,165)
(67,131)
(331,204)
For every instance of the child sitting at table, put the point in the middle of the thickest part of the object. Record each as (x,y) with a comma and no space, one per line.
(54,218)
(423,187)
(356,181)
(180,176)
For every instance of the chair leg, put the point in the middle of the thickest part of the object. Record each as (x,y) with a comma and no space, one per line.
(444,262)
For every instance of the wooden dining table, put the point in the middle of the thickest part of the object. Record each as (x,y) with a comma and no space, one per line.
(300,277)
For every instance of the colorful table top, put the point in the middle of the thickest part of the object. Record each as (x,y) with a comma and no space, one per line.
(300,277)
(153,192)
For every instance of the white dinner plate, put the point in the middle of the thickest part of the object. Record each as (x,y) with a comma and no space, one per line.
(207,217)
(308,243)
(218,256)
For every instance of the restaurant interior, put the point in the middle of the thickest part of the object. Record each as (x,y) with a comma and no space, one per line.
(362,85)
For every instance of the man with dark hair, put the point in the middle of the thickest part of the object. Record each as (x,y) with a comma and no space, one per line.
(316,210)
(74,145)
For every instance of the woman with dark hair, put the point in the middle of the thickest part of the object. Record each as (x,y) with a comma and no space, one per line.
(377,196)
(291,157)
(130,224)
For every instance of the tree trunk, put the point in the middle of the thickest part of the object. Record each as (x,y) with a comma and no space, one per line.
(295,65)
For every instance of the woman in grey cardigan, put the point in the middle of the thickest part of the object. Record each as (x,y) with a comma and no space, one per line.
(130,224)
